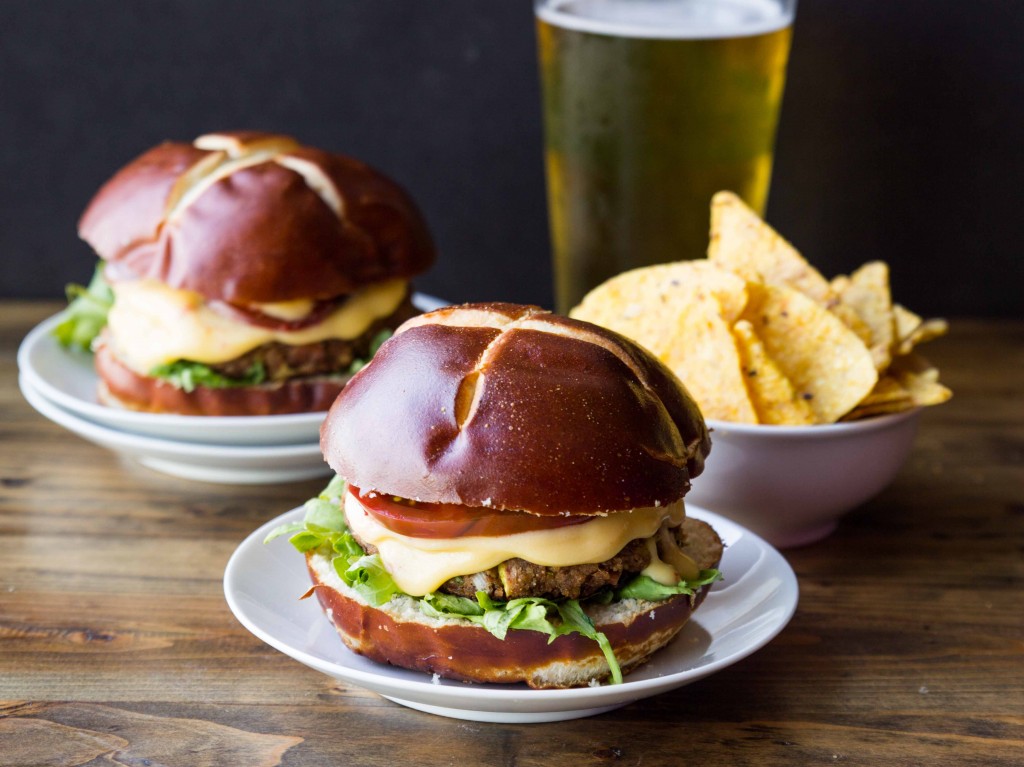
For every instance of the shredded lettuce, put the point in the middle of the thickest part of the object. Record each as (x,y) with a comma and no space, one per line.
(525,614)
(323,522)
(643,587)
(188,375)
(324,525)
(86,313)
(375,344)
(367,576)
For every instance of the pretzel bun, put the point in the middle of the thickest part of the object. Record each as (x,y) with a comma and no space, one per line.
(511,407)
(501,452)
(247,217)
(398,633)
(260,267)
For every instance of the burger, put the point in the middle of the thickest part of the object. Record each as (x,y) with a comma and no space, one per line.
(243,274)
(508,505)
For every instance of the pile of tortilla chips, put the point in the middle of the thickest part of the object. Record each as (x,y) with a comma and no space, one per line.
(758,335)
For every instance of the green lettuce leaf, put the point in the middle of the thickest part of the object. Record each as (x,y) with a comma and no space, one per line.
(188,375)
(366,575)
(375,344)
(286,529)
(86,314)
(524,614)
(643,587)
(324,514)
(438,604)
(323,524)
(335,489)
(575,620)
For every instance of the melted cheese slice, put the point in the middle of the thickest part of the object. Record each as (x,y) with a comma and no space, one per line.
(153,324)
(420,565)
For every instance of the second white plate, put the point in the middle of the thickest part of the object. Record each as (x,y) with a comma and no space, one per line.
(235,464)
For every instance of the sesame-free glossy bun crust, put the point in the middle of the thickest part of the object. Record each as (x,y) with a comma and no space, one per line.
(512,407)
(255,218)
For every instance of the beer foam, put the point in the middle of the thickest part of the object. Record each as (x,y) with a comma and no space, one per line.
(669,19)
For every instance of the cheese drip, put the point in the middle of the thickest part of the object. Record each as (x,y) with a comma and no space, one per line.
(421,565)
(153,324)
(669,564)
(657,570)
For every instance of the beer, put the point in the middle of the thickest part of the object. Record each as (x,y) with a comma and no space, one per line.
(650,107)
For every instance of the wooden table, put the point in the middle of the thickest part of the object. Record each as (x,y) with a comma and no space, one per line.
(907,648)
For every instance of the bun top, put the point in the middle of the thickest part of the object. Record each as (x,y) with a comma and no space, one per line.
(512,407)
(250,217)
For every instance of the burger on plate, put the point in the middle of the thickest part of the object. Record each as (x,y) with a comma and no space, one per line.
(509,501)
(243,274)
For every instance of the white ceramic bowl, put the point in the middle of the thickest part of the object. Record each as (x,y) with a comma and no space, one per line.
(791,484)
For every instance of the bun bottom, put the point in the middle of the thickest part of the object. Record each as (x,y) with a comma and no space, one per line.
(122,387)
(399,634)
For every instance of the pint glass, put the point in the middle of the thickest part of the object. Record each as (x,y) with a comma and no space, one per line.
(650,107)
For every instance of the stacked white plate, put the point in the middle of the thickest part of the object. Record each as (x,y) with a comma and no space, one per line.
(61,384)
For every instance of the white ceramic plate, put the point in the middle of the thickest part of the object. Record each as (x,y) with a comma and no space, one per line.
(67,378)
(236,464)
(263,583)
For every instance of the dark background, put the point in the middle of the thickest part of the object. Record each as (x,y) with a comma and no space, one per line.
(901,132)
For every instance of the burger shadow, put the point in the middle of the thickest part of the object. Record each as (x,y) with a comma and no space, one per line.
(687,652)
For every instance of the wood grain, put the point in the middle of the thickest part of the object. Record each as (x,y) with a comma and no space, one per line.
(116,646)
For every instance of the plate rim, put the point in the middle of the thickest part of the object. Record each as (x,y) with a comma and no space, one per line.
(130,441)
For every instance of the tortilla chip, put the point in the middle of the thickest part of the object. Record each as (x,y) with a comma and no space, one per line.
(851,319)
(926,331)
(828,365)
(866,292)
(906,322)
(681,313)
(887,397)
(704,357)
(887,391)
(772,394)
(912,330)
(656,290)
(742,243)
(920,378)
(929,330)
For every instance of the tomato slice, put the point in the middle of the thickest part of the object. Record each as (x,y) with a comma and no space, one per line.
(252,316)
(450,520)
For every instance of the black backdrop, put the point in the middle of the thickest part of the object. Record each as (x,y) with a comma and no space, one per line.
(901,134)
